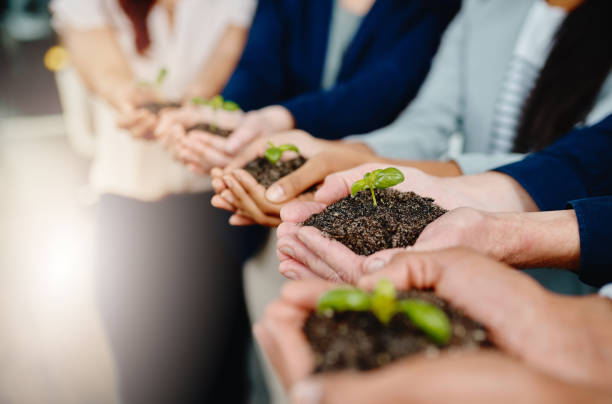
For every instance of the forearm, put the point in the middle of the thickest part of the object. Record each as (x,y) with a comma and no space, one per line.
(220,65)
(99,61)
(538,239)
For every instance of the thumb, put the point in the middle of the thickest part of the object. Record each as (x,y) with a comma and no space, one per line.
(334,188)
(241,136)
(292,185)
(377,261)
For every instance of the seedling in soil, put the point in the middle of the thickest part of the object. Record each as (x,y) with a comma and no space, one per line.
(216,103)
(155,107)
(383,303)
(378,179)
(274,153)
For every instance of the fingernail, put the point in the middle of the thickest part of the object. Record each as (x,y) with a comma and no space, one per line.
(306,392)
(275,193)
(375,265)
(290,274)
(287,251)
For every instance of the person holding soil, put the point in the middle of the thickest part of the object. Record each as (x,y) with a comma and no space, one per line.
(575,171)
(509,79)
(160,245)
(313,64)
(552,348)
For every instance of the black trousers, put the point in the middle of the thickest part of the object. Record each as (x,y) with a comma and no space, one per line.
(169,289)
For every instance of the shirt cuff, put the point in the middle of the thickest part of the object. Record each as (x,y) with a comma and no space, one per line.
(606,291)
(594,220)
(549,181)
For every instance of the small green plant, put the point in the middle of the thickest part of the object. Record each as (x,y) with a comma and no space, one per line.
(217,102)
(159,80)
(274,153)
(383,303)
(378,179)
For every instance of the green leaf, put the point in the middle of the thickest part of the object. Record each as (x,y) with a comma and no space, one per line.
(287,147)
(343,300)
(199,101)
(216,102)
(230,106)
(387,178)
(273,154)
(357,186)
(384,303)
(429,318)
(161,76)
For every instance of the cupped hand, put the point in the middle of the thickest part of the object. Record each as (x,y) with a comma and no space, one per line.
(481,377)
(127,99)
(567,337)
(302,249)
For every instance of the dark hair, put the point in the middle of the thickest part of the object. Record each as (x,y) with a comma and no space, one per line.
(568,85)
(138,11)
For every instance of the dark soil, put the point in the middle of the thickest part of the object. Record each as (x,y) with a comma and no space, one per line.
(210,129)
(397,221)
(155,107)
(357,340)
(267,173)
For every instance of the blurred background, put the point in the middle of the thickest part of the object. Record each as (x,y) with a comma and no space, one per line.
(52,348)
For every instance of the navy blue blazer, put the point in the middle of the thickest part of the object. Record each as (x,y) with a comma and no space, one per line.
(382,68)
(576,171)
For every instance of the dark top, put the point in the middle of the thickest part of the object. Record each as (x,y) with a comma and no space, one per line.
(577,170)
(382,68)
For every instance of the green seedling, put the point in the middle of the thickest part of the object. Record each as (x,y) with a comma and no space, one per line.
(378,179)
(384,305)
(217,102)
(343,300)
(274,153)
(161,76)
(384,301)
(428,318)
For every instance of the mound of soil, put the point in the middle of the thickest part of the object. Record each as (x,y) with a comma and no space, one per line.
(358,340)
(397,221)
(210,129)
(155,107)
(267,173)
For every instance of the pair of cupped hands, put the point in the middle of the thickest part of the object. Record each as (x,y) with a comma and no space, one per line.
(199,150)
(552,348)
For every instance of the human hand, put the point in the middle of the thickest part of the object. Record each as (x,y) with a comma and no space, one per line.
(305,249)
(481,377)
(566,337)
(262,122)
(242,193)
(127,98)
(524,240)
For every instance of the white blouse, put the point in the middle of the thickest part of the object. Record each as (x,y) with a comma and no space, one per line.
(138,168)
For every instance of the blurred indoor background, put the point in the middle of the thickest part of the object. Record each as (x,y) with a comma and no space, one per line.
(52,348)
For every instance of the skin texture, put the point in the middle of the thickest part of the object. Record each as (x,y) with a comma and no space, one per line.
(568,357)
(304,251)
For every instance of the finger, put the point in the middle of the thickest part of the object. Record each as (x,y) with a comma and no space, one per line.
(298,212)
(218,184)
(239,138)
(294,270)
(344,262)
(256,191)
(293,248)
(251,152)
(212,155)
(333,189)
(306,293)
(131,117)
(218,142)
(238,220)
(197,169)
(378,260)
(292,185)
(221,203)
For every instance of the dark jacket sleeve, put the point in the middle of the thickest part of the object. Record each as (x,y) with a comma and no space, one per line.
(579,165)
(259,78)
(375,96)
(595,225)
